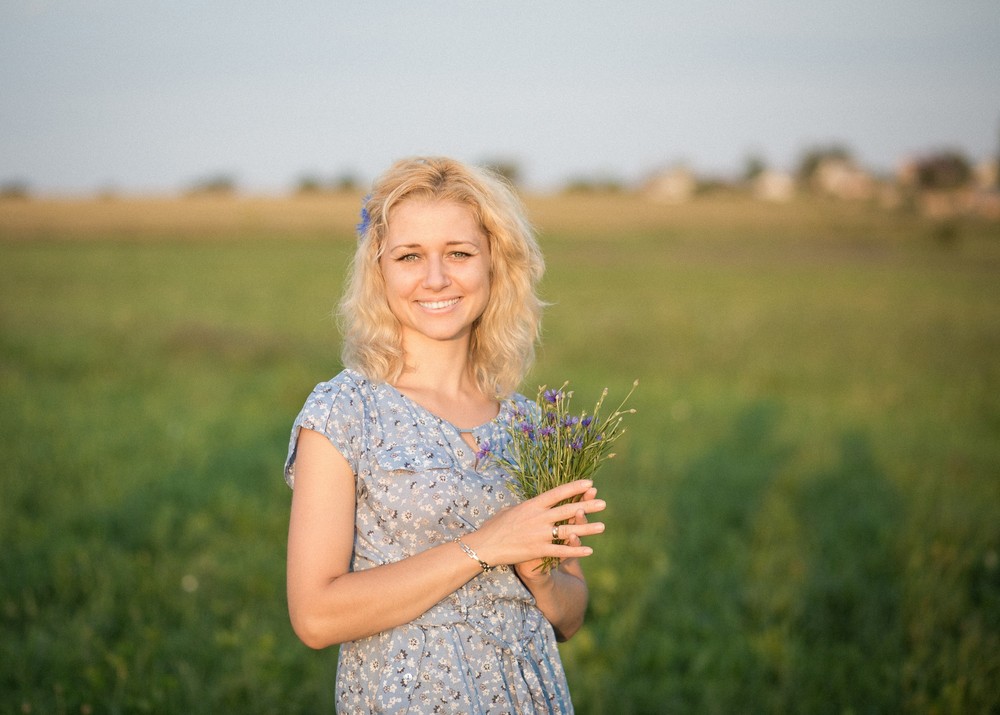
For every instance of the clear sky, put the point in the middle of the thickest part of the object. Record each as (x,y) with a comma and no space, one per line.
(141,96)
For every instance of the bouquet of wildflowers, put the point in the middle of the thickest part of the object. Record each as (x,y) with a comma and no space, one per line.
(553,446)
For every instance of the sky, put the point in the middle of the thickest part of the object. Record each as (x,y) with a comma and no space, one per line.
(150,97)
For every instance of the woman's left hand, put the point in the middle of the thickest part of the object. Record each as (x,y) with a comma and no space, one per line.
(530,573)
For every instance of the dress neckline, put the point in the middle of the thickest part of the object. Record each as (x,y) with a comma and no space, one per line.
(461,430)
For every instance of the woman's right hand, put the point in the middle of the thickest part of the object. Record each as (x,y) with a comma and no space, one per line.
(524,532)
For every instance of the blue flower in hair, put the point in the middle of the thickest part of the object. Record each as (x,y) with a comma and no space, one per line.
(366,218)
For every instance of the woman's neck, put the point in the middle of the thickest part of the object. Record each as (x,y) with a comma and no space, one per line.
(441,367)
(439,377)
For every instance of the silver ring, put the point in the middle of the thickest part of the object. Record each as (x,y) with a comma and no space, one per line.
(555,532)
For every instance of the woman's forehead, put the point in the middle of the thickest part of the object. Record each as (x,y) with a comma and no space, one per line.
(415,218)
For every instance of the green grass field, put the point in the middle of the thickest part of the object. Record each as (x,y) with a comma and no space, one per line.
(804,517)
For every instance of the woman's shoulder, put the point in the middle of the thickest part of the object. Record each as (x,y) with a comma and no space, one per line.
(346,380)
(335,408)
(346,388)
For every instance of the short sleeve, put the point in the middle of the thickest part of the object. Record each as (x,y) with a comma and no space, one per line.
(336,410)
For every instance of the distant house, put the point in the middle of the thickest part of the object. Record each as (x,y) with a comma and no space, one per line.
(987,204)
(842,179)
(673,186)
(945,185)
(771,185)
(985,200)
(985,175)
(907,173)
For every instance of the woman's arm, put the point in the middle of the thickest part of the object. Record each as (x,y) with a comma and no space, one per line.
(561,596)
(328,603)
(562,593)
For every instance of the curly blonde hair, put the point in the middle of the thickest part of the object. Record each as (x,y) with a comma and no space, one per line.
(502,345)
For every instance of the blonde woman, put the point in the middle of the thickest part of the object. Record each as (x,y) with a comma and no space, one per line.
(405,546)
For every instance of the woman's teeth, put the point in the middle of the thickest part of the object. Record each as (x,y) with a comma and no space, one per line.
(435,305)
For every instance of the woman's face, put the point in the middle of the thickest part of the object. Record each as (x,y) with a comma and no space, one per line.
(436,266)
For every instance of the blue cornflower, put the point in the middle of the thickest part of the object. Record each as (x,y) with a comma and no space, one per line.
(366,218)
(576,445)
(552,396)
(547,431)
(570,420)
(484,450)
(587,420)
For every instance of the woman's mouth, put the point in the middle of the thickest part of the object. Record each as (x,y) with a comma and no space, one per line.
(437,304)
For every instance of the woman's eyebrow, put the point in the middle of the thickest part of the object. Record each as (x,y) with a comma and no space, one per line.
(455,242)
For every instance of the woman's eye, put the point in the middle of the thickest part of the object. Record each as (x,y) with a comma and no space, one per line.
(408,258)
(460,254)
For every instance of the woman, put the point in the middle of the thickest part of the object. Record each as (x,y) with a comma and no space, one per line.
(405,544)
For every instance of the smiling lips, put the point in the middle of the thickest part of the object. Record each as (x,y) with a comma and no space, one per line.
(437,304)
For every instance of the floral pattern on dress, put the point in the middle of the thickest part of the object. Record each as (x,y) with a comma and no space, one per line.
(485,649)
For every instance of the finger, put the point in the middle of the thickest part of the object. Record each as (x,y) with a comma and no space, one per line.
(567,532)
(567,552)
(565,491)
(571,539)
(566,512)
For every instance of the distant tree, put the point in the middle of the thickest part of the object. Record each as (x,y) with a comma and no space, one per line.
(346,182)
(583,185)
(943,170)
(754,167)
(312,184)
(14,189)
(714,186)
(997,159)
(813,158)
(214,184)
(507,169)
(308,184)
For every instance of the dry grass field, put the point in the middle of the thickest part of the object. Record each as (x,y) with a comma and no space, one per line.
(581,215)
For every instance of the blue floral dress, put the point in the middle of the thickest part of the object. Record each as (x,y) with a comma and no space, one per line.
(486,648)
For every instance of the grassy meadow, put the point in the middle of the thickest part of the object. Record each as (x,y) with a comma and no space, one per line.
(804,517)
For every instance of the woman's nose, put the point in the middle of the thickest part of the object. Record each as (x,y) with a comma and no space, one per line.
(436,277)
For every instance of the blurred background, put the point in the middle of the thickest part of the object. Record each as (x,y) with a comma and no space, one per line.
(153,98)
(783,219)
